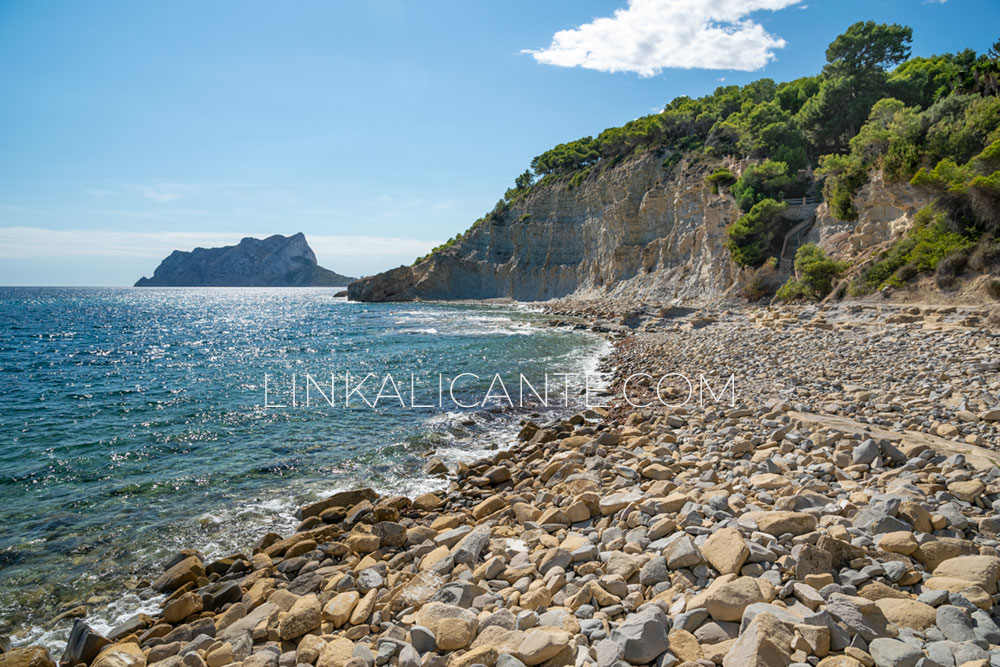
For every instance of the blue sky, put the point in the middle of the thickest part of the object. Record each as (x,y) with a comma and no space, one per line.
(378,127)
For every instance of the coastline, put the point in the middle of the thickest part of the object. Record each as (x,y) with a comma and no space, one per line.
(454,437)
(790,524)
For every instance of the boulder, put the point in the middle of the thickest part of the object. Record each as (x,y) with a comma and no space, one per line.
(83,645)
(642,636)
(765,642)
(31,656)
(779,522)
(188,570)
(983,571)
(726,550)
(304,616)
(727,602)
(121,655)
(540,645)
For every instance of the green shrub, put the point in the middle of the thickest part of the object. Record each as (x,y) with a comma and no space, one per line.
(844,175)
(578,177)
(815,273)
(721,177)
(927,243)
(767,180)
(751,235)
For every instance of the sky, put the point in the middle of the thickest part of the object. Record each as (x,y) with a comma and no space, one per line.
(378,128)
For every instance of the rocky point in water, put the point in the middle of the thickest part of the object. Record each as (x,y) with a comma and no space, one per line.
(277,261)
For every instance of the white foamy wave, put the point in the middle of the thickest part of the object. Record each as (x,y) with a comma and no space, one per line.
(427,330)
(101,619)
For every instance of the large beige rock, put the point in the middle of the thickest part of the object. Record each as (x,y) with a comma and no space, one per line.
(684,645)
(769,481)
(727,602)
(779,522)
(309,649)
(120,655)
(338,610)
(540,645)
(223,655)
(725,550)
(489,506)
(186,571)
(907,613)
(481,655)
(363,543)
(967,491)
(451,625)
(899,542)
(182,607)
(301,618)
(765,642)
(415,592)
(336,653)
(499,638)
(455,633)
(933,553)
(30,656)
(982,571)
(364,608)
(427,502)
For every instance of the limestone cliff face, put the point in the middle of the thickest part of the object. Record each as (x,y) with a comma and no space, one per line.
(885,213)
(277,261)
(638,229)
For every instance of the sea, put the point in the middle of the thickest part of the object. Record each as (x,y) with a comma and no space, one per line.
(134,423)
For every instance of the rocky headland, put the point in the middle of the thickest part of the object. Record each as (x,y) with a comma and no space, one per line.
(845,512)
(277,261)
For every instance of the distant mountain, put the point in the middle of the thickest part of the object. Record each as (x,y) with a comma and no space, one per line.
(277,261)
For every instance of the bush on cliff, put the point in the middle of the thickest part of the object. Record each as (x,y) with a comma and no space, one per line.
(720,178)
(924,246)
(751,235)
(767,180)
(814,274)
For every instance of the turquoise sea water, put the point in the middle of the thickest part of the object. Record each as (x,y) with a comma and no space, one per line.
(132,423)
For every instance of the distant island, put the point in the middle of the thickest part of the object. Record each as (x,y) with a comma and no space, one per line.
(277,261)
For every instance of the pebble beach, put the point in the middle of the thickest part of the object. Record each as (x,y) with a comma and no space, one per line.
(843,511)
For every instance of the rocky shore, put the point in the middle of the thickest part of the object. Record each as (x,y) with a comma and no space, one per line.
(845,512)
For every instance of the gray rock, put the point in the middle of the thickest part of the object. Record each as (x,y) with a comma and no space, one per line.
(458,593)
(469,549)
(859,617)
(955,624)
(894,653)
(690,620)
(423,639)
(654,572)
(985,627)
(642,635)
(83,645)
(507,660)
(866,452)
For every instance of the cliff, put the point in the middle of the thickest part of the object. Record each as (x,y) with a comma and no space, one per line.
(277,261)
(637,229)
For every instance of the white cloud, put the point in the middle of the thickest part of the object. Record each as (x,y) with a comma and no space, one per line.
(39,242)
(651,35)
